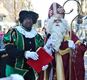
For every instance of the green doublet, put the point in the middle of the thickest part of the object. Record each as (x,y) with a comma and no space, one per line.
(14,37)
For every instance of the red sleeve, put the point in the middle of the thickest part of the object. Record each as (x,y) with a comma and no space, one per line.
(74,37)
(82,47)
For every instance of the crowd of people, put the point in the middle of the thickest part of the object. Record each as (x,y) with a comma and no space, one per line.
(23,41)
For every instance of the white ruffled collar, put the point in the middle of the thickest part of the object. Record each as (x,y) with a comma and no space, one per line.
(27,34)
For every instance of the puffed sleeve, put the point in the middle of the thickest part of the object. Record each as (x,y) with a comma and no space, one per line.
(10,47)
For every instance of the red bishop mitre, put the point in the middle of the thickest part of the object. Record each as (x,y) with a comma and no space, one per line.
(54,9)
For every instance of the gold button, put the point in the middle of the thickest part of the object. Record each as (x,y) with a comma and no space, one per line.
(30,42)
(30,49)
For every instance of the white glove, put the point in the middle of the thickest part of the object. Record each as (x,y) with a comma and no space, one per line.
(16,77)
(48,50)
(32,55)
(71,44)
(49,46)
(44,67)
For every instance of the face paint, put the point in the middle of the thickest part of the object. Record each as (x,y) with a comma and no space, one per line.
(27,24)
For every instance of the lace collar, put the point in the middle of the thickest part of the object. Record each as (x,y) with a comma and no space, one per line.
(27,34)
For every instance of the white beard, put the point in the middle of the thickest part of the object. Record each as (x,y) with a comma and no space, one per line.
(57,32)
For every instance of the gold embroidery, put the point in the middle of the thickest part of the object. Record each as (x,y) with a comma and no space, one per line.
(8,44)
(4,55)
(78,42)
(21,69)
(63,52)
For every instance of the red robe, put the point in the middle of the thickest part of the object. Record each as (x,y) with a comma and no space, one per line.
(77,62)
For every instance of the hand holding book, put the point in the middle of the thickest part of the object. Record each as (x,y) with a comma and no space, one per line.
(44,59)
